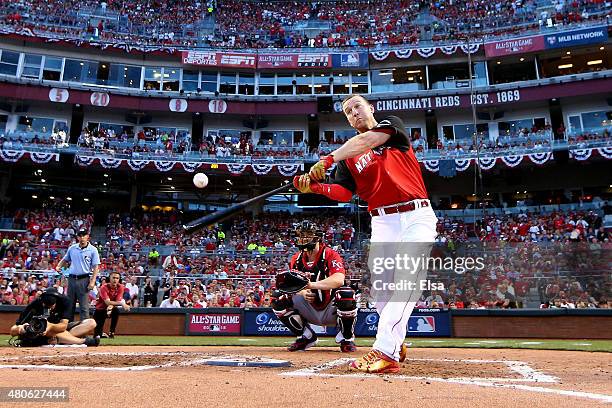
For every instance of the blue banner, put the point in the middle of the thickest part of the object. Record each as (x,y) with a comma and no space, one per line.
(578,37)
(422,322)
(350,60)
(265,323)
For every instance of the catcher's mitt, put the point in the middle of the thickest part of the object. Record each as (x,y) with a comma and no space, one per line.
(291,281)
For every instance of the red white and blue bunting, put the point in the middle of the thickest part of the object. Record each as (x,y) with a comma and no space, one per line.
(164,165)
(512,161)
(425,52)
(289,170)
(581,154)
(11,155)
(432,165)
(137,165)
(42,158)
(109,163)
(540,158)
(261,169)
(487,163)
(236,169)
(605,152)
(462,164)
(190,167)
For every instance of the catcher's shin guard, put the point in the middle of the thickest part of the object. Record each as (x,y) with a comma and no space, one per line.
(283,309)
(346,308)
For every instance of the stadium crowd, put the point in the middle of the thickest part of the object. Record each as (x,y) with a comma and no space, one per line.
(242,23)
(558,257)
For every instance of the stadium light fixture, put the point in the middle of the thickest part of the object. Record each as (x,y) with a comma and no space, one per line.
(498,62)
(51,198)
(569,53)
(172,188)
(169,178)
(105,174)
(69,198)
(230,182)
(602,48)
(522,59)
(43,180)
(566,66)
(34,196)
(594,62)
(86,199)
(414,71)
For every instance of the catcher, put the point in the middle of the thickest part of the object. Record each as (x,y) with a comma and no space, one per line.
(46,320)
(313,291)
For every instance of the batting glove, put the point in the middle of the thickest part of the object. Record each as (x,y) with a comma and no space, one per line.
(304,184)
(317,172)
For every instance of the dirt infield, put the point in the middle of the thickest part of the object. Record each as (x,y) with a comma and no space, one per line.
(163,376)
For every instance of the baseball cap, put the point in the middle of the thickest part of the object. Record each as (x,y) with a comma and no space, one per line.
(82,232)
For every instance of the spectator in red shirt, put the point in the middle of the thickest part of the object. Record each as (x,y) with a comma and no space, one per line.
(110,297)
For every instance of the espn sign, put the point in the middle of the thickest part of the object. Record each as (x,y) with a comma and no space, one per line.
(238,60)
(199,58)
(313,60)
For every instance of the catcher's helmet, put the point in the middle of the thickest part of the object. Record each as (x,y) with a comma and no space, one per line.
(49,297)
(307,234)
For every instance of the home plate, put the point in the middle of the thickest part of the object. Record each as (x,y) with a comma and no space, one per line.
(245,362)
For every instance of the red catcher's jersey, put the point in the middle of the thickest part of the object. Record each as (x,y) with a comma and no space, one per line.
(388,174)
(325,263)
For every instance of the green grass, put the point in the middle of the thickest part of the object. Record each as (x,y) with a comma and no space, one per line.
(540,344)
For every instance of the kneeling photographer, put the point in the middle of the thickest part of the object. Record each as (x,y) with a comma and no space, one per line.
(47,320)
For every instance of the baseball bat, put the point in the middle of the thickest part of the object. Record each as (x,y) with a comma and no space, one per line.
(230,211)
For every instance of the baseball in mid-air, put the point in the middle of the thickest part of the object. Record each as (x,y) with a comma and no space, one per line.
(200,180)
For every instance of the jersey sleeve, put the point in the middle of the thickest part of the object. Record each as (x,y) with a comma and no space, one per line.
(334,262)
(96,257)
(395,127)
(67,255)
(342,176)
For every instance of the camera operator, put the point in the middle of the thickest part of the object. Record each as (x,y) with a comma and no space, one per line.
(47,320)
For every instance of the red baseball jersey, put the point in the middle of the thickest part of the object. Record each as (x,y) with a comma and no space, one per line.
(386,175)
(324,264)
(108,292)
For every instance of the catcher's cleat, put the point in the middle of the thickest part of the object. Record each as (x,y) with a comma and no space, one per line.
(92,341)
(302,343)
(403,352)
(375,362)
(347,346)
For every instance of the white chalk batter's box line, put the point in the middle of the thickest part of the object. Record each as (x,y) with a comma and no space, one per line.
(520,367)
(527,373)
(198,359)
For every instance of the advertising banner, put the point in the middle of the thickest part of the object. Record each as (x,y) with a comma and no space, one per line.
(350,60)
(423,322)
(313,61)
(278,61)
(514,46)
(212,324)
(218,59)
(579,37)
(263,322)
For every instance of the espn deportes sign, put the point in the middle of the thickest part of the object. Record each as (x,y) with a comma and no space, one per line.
(212,323)
(218,59)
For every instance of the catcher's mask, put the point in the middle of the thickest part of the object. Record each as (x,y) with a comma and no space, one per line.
(307,235)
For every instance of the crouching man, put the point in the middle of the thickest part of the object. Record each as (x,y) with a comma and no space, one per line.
(47,320)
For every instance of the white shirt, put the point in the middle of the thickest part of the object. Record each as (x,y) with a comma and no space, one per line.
(133,288)
(168,304)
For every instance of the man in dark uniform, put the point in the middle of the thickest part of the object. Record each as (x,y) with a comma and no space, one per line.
(60,329)
(379,165)
(325,301)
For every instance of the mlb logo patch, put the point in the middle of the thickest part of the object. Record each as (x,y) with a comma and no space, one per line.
(421,324)
(349,60)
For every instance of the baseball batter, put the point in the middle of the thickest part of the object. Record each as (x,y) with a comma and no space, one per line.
(380,166)
(325,301)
